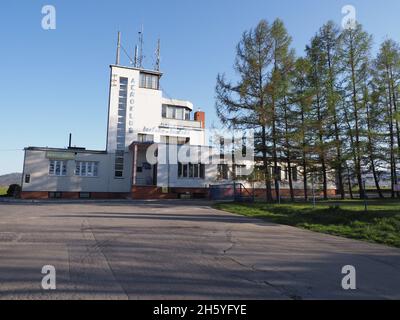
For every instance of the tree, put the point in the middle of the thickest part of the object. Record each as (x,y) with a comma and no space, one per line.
(278,90)
(245,104)
(387,79)
(302,97)
(355,46)
(319,107)
(329,41)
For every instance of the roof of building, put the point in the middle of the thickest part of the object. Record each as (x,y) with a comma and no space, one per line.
(179,103)
(158,73)
(72,149)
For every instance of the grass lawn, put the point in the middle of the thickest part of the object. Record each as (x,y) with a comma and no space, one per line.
(381,224)
(3,190)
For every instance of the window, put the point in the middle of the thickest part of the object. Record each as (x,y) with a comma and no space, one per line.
(145,137)
(190,170)
(222,171)
(179,113)
(84,195)
(119,163)
(175,112)
(55,195)
(175,140)
(187,114)
(277,173)
(87,169)
(121,130)
(149,81)
(240,171)
(58,168)
(294,174)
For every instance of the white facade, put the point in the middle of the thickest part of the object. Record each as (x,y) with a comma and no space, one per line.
(138,116)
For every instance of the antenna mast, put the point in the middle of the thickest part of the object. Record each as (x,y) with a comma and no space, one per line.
(118,49)
(158,57)
(135,61)
(140,60)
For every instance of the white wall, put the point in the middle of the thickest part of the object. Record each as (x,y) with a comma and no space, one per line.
(37,165)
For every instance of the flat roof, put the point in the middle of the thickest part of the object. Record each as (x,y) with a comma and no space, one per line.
(75,150)
(178,103)
(158,73)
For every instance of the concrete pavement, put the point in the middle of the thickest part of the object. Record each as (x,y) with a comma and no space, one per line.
(179,250)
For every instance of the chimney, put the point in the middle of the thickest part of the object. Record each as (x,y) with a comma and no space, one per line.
(200,116)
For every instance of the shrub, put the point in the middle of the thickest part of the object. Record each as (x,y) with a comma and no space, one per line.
(14,190)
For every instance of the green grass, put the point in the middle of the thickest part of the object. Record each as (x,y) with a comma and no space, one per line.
(381,224)
(3,190)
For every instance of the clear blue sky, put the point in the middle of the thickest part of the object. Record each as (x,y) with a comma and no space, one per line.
(56,82)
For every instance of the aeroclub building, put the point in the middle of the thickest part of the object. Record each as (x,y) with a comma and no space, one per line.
(140,121)
(156,149)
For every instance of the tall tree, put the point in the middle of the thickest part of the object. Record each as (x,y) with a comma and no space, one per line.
(329,41)
(278,89)
(355,54)
(387,79)
(319,107)
(245,104)
(302,97)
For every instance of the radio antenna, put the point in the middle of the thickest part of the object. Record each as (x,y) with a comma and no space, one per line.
(158,55)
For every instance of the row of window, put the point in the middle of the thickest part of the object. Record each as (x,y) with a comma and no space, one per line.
(191,170)
(223,169)
(59,195)
(173,112)
(122,105)
(175,140)
(149,81)
(83,168)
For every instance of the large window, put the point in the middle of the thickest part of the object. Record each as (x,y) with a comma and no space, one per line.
(222,171)
(240,171)
(191,170)
(119,163)
(87,169)
(145,137)
(121,127)
(175,140)
(58,168)
(175,112)
(149,81)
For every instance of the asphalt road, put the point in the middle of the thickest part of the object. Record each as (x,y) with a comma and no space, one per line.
(179,250)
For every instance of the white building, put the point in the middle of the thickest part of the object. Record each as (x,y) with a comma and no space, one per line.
(146,134)
(139,117)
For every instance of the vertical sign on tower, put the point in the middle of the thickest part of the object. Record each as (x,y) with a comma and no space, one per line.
(131,103)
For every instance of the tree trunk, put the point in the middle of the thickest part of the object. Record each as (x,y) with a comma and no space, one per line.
(268,192)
